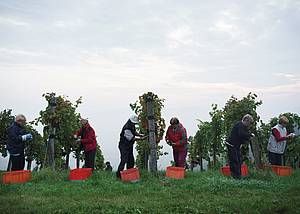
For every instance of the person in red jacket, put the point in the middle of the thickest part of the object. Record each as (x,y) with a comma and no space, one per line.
(177,138)
(87,138)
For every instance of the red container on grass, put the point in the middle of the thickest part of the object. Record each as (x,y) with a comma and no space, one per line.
(16,177)
(282,170)
(130,175)
(80,174)
(244,170)
(175,172)
(226,170)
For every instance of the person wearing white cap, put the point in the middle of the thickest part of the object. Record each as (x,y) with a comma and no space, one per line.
(128,137)
(17,136)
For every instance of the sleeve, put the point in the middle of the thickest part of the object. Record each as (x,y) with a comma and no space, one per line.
(128,135)
(277,135)
(243,133)
(91,137)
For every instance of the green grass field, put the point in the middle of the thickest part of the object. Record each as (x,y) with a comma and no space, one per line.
(207,192)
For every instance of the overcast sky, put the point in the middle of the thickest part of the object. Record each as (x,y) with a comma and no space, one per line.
(192,53)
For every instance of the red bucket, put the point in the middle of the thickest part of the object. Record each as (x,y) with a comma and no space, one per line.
(16,177)
(130,175)
(226,170)
(80,174)
(244,170)
(175,172)
(282,170)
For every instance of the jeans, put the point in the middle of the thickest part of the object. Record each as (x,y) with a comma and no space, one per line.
(17,162)
(235,161)
(179,157)
(127,158)
(275,159)
(89,159)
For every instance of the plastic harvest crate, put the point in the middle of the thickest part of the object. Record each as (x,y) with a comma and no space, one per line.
(175,172)
(130,175)
(226,170)
(282,170)
(15,177)
(80,174)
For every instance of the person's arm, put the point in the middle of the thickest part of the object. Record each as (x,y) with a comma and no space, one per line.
(277,135)
(77,133)
(91,137)
(128,135)
(138,134)
(243,133)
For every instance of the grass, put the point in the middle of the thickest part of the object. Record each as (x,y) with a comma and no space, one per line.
(207,192)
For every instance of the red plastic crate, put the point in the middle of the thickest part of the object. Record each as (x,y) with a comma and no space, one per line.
(130,175)
(80,174)
(282,170)
(226,170)
(175,172)
(16,177)
(244,170)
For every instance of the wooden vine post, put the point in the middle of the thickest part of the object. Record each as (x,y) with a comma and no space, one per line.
(50,149)
(152,137)
(256,153)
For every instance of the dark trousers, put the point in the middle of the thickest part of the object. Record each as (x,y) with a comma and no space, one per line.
(17,162)
(89,159)
(275,159)
(235,161)
(127,158)
(179,157)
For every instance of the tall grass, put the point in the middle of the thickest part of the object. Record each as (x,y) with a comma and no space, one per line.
(202,192)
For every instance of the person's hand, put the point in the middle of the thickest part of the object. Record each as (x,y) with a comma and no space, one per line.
(170,143)
(75,136)
(143,137)
(27,137)
(290,136)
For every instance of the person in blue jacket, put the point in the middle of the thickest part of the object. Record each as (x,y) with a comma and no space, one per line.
(17,136)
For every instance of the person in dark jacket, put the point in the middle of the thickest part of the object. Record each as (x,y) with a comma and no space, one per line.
(239,135)
(17,136)
(128,137)
(87,138)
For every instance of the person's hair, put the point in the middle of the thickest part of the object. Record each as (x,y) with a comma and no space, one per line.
(84,120)
(283,119)
(174,121)
(20,117)
(248,117)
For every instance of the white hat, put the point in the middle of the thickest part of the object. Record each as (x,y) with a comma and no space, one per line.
(134,119)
